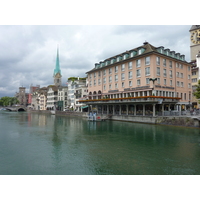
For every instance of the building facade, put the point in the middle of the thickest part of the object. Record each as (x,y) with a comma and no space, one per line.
(145,71)
(22,96)
(195,60)
(62,98)
(52,97)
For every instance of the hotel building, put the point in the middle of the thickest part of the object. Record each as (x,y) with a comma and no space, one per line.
(144,80)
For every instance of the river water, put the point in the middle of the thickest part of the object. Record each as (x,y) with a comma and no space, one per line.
(36,144)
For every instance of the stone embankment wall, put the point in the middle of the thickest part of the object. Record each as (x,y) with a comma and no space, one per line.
(178,121)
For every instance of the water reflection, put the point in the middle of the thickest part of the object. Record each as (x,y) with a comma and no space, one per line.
(69,145)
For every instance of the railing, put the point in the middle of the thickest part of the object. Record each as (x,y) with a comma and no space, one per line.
(133,99)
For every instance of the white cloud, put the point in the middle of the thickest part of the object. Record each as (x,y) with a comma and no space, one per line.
(28,53)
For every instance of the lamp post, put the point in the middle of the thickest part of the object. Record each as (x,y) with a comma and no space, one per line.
(153,80)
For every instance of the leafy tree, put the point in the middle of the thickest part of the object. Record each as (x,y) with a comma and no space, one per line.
(8,101)
(197,91)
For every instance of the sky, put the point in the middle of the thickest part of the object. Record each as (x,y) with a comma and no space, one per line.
(28,52)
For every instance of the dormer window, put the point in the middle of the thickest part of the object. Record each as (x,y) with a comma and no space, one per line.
(140,51)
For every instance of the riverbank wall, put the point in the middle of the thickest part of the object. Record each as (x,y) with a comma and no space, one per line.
(186,121)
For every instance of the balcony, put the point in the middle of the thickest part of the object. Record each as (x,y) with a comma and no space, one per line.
(142,99)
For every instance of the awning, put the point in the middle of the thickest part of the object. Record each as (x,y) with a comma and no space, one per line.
(84,107)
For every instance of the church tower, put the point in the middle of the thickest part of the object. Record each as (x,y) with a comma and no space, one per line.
(57,72)
(194,42)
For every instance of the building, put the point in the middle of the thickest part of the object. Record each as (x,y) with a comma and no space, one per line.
(22,96)
(195,60)
(62,98)
(42,98)
(52,97)
(76,89)
(145,78)
(31,91)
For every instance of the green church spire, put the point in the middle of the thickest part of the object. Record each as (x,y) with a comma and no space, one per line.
(57,68)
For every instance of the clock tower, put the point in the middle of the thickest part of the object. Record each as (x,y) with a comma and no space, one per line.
(194,41)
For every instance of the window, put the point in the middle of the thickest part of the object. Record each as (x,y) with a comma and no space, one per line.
(194,80)
(130,65)
(140,51)
(104,87)
(181,75)
(189,85)
(178,84)
(164,62)
(90,83)
(194,73)
(116,69)
(110,87)
(147,81)
(170,82)
(138,82)
(138,72)
(170,64)
(99,81)
(158,60)
(147,71)
(94,74)
(165,82)
(104,72)
(158,71)
(147,60)
(123,67)
(158,80)
(170,74)
(132,54)
(177,74)
(181,84)
(90,76)
(116,78)
(130,75)
(138,62)
(94,82)
(180,66)
(122,76)
(104,80)
(99,73)
(116,85)
(164,72)
(110,79)
(130,83)
(110,70)
(122,84)
(189,77)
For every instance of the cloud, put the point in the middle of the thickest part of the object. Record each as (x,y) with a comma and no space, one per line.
(28,53)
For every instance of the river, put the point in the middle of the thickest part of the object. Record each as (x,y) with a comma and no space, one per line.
(41,144)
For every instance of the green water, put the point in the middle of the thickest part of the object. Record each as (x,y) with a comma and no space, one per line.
(48,144)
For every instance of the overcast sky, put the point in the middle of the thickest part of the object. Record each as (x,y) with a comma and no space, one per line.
(28,52)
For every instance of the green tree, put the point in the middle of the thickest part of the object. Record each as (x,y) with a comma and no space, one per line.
(197,91)
(8,101)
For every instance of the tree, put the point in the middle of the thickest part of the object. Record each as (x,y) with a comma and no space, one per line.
(197,91)
(8,101)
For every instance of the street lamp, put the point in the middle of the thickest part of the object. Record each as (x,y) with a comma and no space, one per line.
(153,80)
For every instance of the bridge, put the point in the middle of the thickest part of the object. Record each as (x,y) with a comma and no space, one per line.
(16,108)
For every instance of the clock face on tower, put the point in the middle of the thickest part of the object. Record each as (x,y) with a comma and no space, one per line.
(195,37)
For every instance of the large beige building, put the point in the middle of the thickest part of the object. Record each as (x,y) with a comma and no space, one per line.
(158,77)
